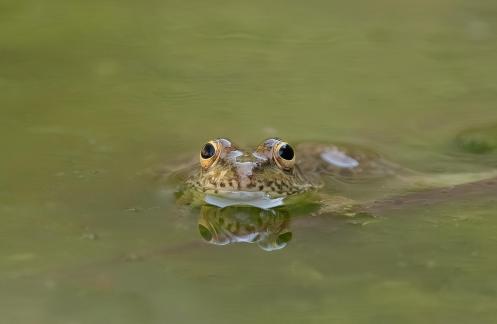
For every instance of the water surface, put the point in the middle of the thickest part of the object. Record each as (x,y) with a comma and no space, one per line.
(95,93)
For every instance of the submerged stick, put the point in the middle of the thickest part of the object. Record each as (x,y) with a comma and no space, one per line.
(466,191)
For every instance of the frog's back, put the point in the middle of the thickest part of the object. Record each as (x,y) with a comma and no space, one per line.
(343,162)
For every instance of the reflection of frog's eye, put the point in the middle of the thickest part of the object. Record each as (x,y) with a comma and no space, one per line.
(209,154)
(284,155)
(205,233)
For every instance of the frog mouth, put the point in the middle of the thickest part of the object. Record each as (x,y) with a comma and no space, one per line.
(243,198)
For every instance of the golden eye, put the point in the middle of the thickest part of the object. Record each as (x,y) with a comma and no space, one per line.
(284,156)
(209,154)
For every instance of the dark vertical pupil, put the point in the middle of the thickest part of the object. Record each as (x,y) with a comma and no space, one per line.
(286,152)
(208,151)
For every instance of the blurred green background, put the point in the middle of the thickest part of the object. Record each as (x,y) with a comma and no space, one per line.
(94,93)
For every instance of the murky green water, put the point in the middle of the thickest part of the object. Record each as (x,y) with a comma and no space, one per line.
(94,93)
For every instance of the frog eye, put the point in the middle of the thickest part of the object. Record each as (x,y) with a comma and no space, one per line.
(284,155)
(209,153)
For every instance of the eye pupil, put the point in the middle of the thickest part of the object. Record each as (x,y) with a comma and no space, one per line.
(286,152)
(208,151)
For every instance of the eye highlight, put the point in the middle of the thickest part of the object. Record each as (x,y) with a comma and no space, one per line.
(209,154)
(284,155)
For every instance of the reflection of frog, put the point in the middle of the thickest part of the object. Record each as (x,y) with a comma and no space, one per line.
(267,228)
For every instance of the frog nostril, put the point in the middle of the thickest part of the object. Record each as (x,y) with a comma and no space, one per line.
(245,157)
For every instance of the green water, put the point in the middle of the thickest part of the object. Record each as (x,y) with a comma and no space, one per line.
(94,93)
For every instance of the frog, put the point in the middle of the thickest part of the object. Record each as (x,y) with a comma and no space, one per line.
(271,174)
(231,185)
